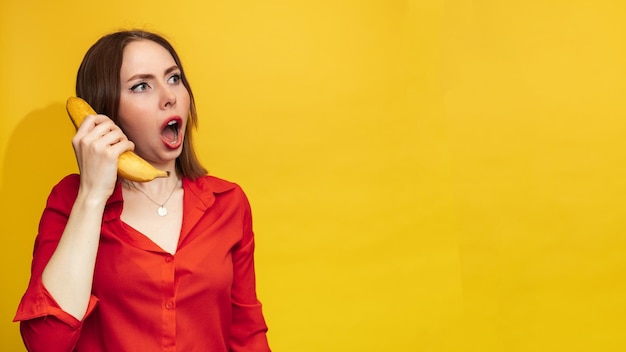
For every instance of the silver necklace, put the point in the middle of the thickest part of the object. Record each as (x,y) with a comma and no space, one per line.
(161,210)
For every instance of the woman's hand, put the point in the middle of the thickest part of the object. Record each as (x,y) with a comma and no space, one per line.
(98,144)
(68,275)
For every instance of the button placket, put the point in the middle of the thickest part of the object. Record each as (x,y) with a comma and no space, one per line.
(169,299)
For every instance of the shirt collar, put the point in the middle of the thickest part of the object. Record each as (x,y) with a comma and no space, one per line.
(202,190)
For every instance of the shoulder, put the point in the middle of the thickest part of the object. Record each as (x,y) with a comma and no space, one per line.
(210,187)
(64,193)
(212,184)
(69,181)
(217,184)
(67,186)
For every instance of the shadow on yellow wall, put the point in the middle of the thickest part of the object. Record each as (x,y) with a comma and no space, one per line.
(36,155)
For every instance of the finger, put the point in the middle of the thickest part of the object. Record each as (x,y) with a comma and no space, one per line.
(94,128)
(110,138)
(87,125)
(90,123)
(93,121)
(122,146)
(105,129)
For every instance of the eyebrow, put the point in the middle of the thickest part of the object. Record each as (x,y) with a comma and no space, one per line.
(150,76)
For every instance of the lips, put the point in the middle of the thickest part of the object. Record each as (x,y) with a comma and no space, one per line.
(171,132)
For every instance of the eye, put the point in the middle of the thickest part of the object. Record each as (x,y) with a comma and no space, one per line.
(139,87)
(174,79)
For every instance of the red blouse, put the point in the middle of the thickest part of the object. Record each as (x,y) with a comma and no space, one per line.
(202,298)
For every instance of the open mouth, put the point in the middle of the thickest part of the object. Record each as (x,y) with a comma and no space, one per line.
(171,133)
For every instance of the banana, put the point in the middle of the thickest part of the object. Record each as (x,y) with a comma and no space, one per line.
(130,165)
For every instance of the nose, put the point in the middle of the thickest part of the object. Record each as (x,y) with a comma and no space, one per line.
(168,97)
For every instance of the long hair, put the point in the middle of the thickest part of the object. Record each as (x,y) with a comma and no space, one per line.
(98,83)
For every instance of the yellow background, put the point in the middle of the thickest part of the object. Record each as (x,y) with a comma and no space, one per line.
(424,175)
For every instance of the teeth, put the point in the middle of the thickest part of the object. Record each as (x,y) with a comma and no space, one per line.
(173,126)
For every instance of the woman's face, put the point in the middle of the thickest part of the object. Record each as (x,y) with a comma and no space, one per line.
(154,103)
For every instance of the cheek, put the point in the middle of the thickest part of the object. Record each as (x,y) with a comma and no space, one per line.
(186,101)
(129,120)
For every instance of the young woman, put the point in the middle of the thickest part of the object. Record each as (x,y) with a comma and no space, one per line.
(166,265)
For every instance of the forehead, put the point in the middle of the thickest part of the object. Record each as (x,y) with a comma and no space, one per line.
(145,55)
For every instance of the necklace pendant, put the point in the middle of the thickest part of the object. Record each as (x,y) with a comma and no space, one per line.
(162,211)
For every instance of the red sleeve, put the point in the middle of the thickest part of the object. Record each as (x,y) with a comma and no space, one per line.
(43,324)
(248,327)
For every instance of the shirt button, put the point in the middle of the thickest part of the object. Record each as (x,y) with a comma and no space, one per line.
(169,258)
(169,305)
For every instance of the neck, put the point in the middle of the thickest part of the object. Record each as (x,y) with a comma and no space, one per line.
(156,186)
(158,191)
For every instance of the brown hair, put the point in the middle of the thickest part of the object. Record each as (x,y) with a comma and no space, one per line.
(98,82)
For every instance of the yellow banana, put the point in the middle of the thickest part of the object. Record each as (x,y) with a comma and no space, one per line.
(130,165)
